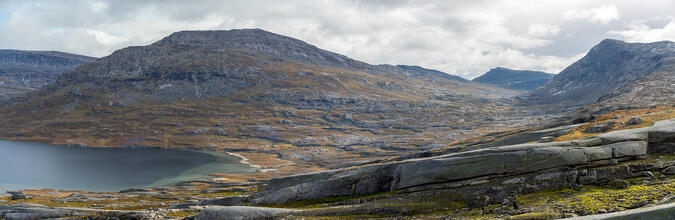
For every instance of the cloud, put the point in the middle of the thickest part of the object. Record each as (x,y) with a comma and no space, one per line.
(542,30)
(644,33)
(466,38)
(600,15)
(106,38)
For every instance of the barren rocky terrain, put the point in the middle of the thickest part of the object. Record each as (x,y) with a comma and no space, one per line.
(340,138)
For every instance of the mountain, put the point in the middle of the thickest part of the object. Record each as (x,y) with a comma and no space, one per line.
(418,71)
(525,80)
(259,92)
(608,69)
(24,71)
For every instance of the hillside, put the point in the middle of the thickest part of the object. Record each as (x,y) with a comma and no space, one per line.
(272,98)
(525,80)
(340,138)
(609,69)
(24,71)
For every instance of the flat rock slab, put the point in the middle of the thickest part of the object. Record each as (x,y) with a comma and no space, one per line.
(241,212)
(452,167)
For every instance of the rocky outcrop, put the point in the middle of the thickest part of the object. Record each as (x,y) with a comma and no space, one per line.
(241,213)
(36,211)
(31,211)
(467,166)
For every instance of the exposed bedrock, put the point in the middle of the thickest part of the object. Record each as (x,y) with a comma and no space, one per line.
(478,166)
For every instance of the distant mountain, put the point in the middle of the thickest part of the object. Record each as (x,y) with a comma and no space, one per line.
(23,71)
(604,71)
(418,71)
(525,80)
(252,89)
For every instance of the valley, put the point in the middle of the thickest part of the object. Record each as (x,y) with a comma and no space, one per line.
(334,137)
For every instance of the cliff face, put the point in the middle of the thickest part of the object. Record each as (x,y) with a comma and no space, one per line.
(525,80)
(23,71)
(608,66)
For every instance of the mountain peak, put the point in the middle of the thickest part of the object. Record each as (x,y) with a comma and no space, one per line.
(257,42)
(608,65)
(214,37)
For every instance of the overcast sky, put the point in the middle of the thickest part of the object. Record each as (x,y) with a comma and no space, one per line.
(465,38)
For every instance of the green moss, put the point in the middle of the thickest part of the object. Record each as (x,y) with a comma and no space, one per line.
(536,216)
(543,197)
(593,201)
(326,201)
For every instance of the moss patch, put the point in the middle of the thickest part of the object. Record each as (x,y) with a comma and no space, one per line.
(610,199)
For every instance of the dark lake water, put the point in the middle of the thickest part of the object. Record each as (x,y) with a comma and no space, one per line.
(38,166)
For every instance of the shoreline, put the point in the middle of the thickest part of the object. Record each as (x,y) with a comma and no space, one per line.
(246,161)
(203,173)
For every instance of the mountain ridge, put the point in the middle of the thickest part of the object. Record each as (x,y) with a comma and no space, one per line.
(22,71)
(609,65)
(525,80)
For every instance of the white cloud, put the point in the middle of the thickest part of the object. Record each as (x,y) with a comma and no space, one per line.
(644,33)
(105,38)
(543,30)
(599,15)
(466,38)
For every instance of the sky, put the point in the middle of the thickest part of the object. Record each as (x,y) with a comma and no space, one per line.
(465,38)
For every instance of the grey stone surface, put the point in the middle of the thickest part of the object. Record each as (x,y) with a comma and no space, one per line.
(227,201)
(240,213)
(629,149)
(669,170)
(281,182)
(546,139)
(635,120)
(596,129)
(599,150)
(30,211)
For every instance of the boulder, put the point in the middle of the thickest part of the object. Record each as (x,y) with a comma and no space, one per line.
(546,139)
(669,170)
(596,129)
(16,195)
(635,120)
(241,213)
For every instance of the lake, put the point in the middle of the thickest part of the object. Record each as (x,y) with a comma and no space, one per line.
(38,166)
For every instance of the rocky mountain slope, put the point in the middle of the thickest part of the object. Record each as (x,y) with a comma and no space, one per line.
(262,94)
(361,140)
(23,71)
(610,69)
(525,80)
